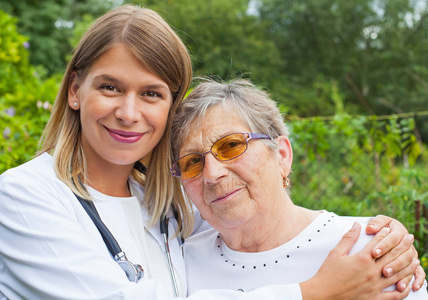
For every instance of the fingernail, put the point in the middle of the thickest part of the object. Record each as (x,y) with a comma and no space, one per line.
(418,287)
(354,227)
(384,231)
(388,271)
(416,262)
(403,285)
(410,237)
(378,252)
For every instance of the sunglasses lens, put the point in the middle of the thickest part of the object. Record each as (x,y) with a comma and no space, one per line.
(230,146)
(190,165)
(226,148)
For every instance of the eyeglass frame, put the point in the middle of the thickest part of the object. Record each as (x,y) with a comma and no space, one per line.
(251,136)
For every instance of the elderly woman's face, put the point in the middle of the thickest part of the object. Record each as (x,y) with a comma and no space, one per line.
(231,193)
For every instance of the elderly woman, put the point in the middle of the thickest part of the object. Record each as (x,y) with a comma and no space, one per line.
(234,158)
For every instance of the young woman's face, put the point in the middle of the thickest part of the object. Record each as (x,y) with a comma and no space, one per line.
(123,109)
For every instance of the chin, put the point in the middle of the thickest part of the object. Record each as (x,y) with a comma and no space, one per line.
(124,157)
(123,160)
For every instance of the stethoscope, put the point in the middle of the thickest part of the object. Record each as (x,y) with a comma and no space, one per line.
(134,272)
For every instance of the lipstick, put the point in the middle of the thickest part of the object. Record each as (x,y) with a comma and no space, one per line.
(127,137)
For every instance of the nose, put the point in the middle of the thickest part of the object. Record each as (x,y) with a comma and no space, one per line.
(127,111)
(213,169)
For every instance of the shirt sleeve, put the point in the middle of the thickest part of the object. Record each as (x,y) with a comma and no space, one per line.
(273,292)
(362,220)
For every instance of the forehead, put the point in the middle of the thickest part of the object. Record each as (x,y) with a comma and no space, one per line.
(216,123)
(120,61)
(118,54)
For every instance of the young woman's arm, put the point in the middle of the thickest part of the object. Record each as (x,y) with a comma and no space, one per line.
(398,236)
(358,276)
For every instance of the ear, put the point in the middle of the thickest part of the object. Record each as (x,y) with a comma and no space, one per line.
(285,155)
(73,92)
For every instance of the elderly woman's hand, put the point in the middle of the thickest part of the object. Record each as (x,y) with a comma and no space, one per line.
(399,242)
(356,276)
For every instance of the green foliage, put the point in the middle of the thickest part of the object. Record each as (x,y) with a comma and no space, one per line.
(407,200)
(78,31)
(374,50)
(362,166)
(366,154)
(224,40)
(13,56)
(49,25)
(24,98)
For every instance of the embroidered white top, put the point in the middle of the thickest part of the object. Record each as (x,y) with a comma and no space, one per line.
(211,264)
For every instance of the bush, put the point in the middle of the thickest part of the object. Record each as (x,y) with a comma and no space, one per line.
(25,97)
(362,166)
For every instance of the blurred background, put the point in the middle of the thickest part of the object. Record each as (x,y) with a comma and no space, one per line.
(351,78)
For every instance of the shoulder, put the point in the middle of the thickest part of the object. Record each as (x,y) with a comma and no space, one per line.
(33,177)
(200,225)
(37,169)
(205,239)
(332,227)
(32,181)
(206,235)
(342,224)
(197,249)
(330,222)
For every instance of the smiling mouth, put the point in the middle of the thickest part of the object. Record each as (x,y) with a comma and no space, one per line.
(226,196)
(127,137)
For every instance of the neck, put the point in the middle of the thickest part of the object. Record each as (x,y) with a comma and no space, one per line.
(276,229)
(110,180)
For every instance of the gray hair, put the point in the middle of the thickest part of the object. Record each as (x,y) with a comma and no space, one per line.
(252,105)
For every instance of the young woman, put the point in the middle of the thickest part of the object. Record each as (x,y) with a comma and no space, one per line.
(81,221)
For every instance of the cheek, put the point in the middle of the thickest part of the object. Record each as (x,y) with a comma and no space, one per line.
(158,116)
(194,192)
(248,170)
(91,114)
(93,107)
(258,174)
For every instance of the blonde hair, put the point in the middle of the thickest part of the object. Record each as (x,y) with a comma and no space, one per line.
(160,50)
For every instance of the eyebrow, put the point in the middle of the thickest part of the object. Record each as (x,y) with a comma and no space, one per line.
(156,87)
(117,81)
(107,77)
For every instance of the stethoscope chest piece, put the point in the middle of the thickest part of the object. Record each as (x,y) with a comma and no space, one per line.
(133,272)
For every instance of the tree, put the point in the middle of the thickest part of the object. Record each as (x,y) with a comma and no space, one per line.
(374,50)
(49,26)
(224,40)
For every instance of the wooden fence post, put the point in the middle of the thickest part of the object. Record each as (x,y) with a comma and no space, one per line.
(424,235)
(417,216)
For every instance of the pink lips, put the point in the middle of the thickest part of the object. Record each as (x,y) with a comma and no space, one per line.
(127,137)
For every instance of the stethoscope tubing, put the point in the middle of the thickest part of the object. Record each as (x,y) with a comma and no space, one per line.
(114,248)
(164,233)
